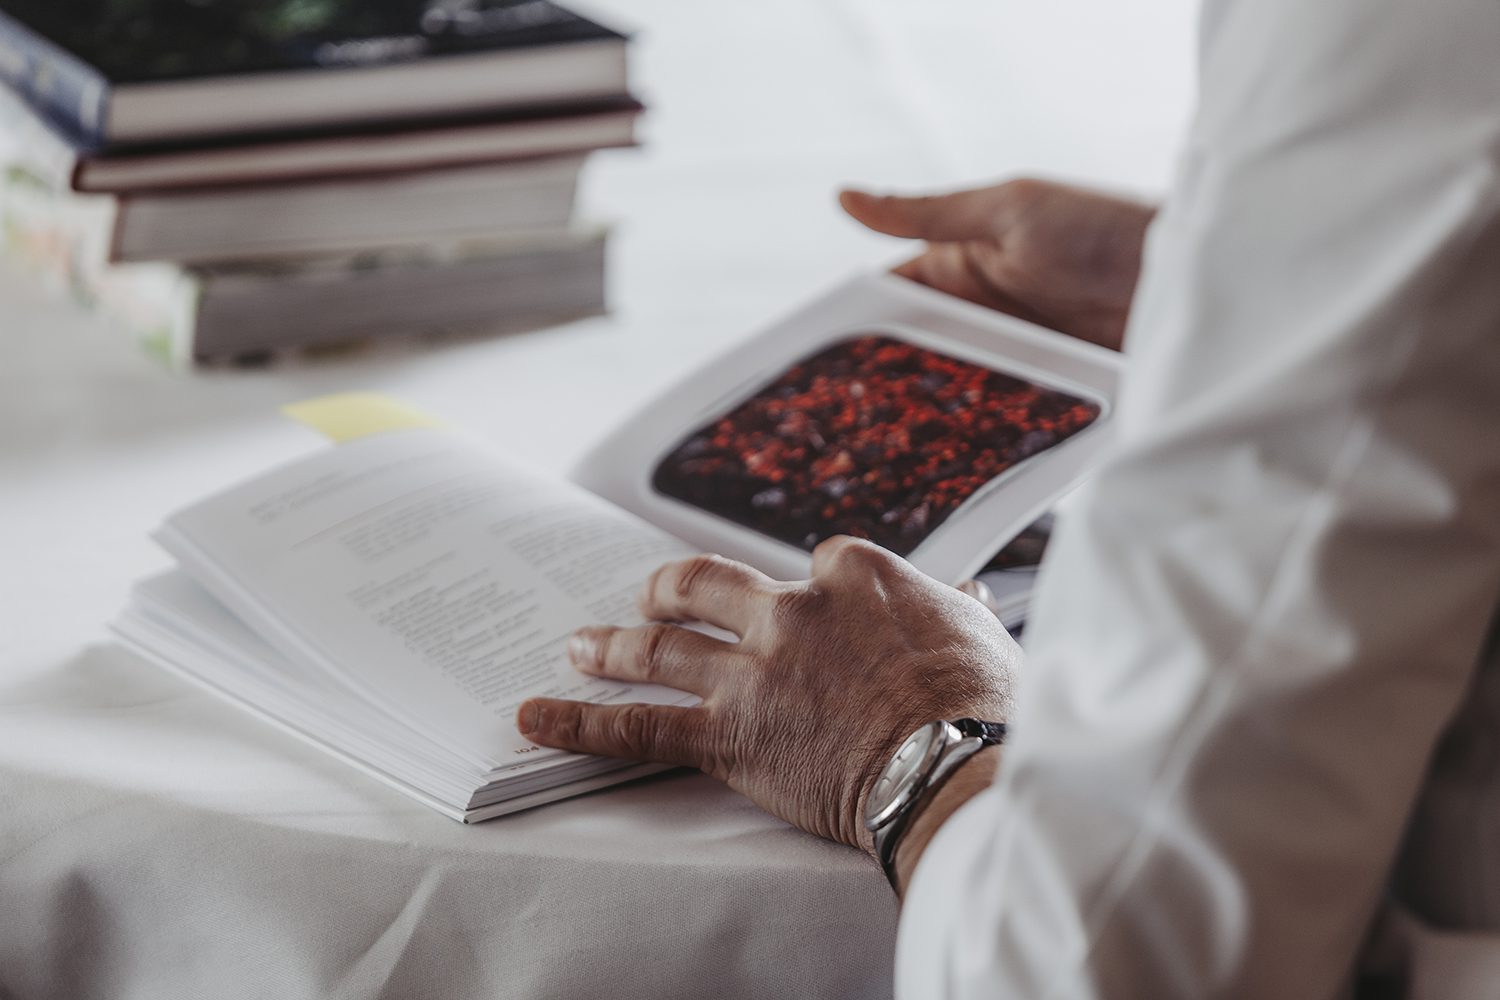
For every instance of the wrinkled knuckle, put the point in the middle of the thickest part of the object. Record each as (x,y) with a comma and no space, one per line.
(855,555)
(716,763)
(655,647)
(831,552)
(692,575)
(605,646)
(829,547)
(567,726)
(637,729)
(651,593)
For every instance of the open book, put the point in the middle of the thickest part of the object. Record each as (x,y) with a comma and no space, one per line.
(393,598)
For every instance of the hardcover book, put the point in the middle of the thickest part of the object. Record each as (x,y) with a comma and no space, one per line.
(281,221)
(186,315)
(65,162)
(134,71)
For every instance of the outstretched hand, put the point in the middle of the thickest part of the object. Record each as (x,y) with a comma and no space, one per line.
(829,676)
(1065,257)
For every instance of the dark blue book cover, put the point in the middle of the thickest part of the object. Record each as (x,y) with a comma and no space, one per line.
(68,56)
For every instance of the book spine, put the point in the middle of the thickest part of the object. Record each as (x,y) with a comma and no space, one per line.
(59,85)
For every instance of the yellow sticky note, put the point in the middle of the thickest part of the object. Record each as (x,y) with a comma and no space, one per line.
(349,415)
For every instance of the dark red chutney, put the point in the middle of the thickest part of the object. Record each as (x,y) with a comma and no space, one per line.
(871,437)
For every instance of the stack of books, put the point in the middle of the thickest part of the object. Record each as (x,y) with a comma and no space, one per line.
(231,178)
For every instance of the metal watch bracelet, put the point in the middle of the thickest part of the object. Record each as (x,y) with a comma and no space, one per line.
(973,735)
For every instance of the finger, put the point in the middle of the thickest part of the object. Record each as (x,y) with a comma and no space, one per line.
(962,215)
(652,654)
(708,589)
(667,734)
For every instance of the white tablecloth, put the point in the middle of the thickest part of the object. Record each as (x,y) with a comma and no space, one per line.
(155,843)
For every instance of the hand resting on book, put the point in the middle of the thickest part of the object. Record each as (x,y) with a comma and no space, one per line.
(829,676)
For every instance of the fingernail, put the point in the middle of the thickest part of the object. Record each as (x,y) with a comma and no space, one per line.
(529,720)
(582,648)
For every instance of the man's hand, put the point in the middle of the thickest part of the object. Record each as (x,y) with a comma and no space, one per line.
(802,714)
(1061,256)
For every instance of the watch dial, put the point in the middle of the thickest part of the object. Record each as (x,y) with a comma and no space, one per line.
(902,775)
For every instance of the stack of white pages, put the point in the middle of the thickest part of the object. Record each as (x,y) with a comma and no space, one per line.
(394,598)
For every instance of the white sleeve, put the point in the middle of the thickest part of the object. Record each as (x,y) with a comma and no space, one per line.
(1256,621)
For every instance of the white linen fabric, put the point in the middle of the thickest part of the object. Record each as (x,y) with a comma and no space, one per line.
(1257,621)
(213,856)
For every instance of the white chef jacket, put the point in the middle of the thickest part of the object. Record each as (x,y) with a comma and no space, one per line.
(1259,618)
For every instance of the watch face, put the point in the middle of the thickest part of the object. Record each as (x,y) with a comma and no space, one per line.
(903,776)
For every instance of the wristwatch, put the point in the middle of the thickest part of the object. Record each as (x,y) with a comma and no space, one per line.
(923,763)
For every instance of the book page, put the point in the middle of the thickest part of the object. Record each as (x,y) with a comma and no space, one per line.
(435,577)
(884,410)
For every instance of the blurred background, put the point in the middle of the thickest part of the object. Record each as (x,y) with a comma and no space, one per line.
(722,219)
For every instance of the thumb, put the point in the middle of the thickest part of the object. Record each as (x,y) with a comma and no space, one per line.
(962,215)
